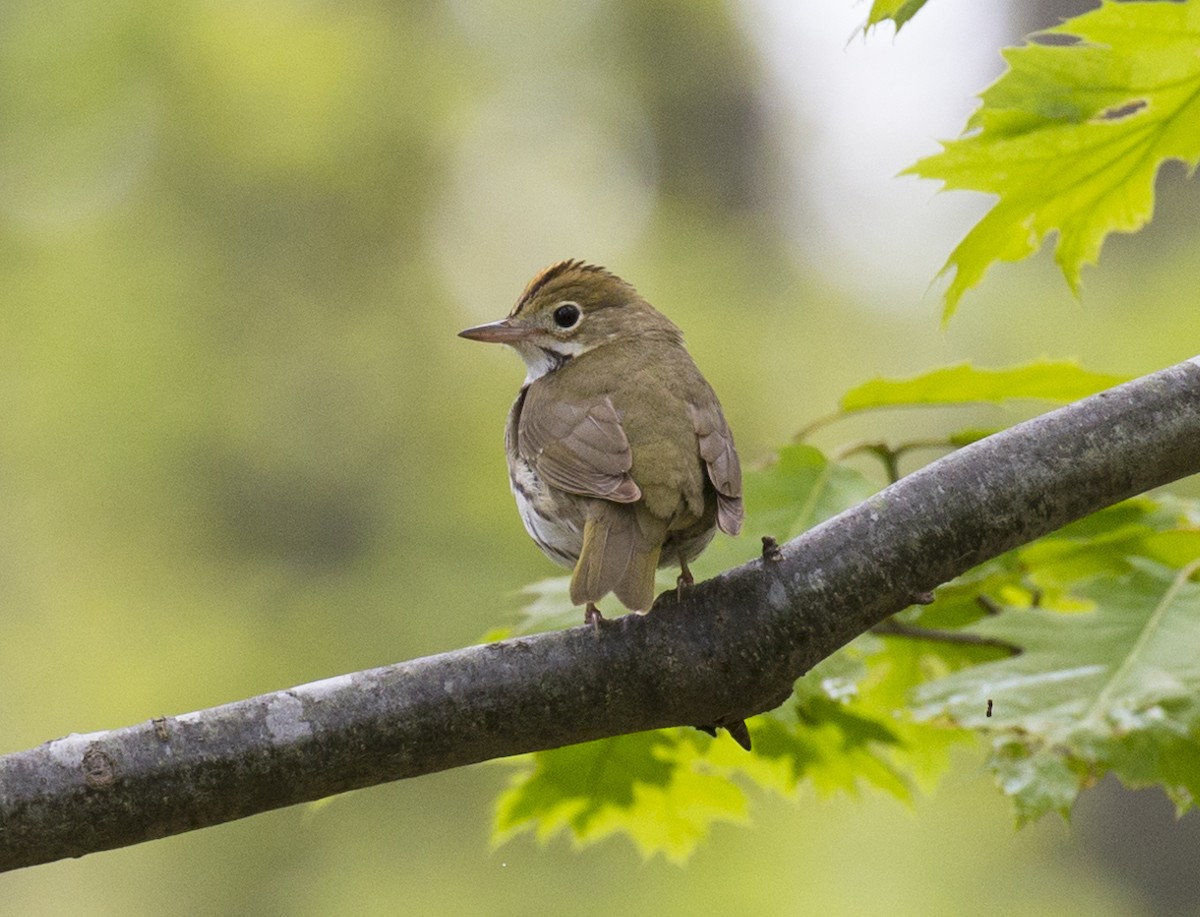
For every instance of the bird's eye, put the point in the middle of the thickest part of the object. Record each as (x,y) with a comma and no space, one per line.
(567,315)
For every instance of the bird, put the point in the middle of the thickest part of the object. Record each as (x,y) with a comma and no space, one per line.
(619,455)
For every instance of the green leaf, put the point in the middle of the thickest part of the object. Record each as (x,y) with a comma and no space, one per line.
(1104,690)
(820,739)
(1071,137)
(800,489)
(1036,778)
(831,747)
(849,726)
(898,11)
(922,750)
(1049,572)
(652,787)
(961,438)
(1047,380)
(546,605)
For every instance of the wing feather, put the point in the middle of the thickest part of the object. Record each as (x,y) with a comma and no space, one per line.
(579,448)
(721,461)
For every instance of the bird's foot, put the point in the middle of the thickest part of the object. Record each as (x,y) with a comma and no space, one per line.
(592,616)
(685,579)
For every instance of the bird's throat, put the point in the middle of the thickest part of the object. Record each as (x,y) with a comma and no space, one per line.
(542,360)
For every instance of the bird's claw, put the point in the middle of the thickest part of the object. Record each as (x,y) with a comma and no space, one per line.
(592,616)
(685,578)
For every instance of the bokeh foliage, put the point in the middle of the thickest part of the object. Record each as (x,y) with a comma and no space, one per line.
(241,447)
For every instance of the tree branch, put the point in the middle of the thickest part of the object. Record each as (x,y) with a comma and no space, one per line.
(731,648)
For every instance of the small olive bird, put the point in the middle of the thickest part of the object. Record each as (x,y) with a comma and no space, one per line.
(618,453)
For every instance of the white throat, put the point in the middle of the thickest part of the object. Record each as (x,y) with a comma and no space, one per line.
(540,360)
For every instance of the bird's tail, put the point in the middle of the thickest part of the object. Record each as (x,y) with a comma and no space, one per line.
(621,547)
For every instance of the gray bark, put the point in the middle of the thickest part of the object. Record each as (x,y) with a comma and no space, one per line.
(731,648)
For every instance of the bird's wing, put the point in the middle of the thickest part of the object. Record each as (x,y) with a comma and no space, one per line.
(579,448)
(721,460)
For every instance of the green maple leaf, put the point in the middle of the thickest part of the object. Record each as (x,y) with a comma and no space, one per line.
(963,384)
(1111,689)
(897,11)
(1051,571)
(798,490)
(848,728)
(1071,137)
(1046,380)
(651,787)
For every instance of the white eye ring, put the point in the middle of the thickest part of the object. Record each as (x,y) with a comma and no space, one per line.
(567,315)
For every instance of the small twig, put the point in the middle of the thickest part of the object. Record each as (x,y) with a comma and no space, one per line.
(806,431)
(771,550)
(989,605)
(889,455)
(893,628)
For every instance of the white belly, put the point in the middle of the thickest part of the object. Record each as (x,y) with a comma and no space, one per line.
(558,535)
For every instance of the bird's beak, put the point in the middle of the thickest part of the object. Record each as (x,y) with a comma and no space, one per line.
(505,331)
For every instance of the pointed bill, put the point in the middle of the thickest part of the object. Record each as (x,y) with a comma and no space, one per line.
(505,331)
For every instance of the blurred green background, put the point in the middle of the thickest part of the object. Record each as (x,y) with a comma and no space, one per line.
(241,447)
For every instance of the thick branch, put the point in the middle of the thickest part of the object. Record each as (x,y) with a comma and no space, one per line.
(731,648)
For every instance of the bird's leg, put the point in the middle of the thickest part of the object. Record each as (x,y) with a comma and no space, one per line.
(592,616)
(685,578)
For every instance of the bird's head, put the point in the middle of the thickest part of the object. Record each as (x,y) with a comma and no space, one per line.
(569,309)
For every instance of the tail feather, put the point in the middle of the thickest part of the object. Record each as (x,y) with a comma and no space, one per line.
(598,568)
(621,546)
